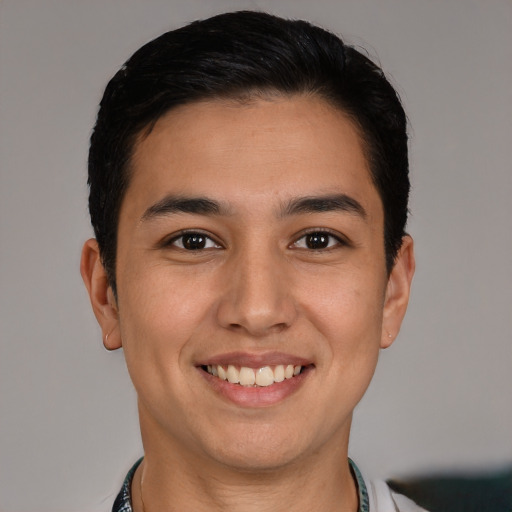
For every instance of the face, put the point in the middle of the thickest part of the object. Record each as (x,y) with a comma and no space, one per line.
(253,296)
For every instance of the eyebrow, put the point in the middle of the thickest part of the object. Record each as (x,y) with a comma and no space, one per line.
(204,206)
(327,203)
(179,204)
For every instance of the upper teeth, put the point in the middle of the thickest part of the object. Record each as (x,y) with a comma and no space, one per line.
(245,376)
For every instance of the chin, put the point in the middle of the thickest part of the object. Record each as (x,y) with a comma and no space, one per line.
(255,460)
(260,450)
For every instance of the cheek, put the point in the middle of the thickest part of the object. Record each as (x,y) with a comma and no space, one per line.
(158,316)
(347,308)
(344,301)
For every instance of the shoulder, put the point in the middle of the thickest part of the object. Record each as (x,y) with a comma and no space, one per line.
(383,499)
(377,496)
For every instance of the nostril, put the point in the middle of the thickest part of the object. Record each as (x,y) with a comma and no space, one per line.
(256,312)
(255,330)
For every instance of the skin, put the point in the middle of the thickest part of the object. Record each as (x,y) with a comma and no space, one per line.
(256,288)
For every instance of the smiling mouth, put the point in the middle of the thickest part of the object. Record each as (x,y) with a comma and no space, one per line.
(254,377)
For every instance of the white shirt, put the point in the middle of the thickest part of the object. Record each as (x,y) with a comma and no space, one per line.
(383,499)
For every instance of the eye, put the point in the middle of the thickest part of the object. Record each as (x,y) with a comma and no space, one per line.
(193,241)
(318,240)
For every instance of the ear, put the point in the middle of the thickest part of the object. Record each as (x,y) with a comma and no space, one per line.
(102,298)
(397,292)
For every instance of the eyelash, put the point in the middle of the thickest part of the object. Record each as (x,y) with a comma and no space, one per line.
(208,240)
(339,241)
(181,236)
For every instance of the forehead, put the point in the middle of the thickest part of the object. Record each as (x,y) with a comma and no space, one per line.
(252,153)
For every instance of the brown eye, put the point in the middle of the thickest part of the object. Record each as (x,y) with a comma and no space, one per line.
(317,240)
(194,242)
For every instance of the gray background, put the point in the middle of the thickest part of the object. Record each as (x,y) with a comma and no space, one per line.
(441,398)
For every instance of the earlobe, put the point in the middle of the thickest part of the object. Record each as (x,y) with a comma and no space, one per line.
(100,293)
(397,292)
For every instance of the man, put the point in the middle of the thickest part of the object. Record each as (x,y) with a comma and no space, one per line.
(248,191)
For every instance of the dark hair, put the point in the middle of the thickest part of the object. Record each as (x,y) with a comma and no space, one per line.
(241,55)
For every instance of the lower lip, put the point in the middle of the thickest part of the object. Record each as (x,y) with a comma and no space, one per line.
(256,396)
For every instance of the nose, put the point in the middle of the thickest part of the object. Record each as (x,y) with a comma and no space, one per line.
(257,294)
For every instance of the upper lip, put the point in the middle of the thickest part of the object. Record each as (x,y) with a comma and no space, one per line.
(253,360)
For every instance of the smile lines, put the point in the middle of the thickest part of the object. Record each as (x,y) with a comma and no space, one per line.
(265,376)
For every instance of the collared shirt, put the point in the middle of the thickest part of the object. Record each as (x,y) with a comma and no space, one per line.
(123,502)
(381,498)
